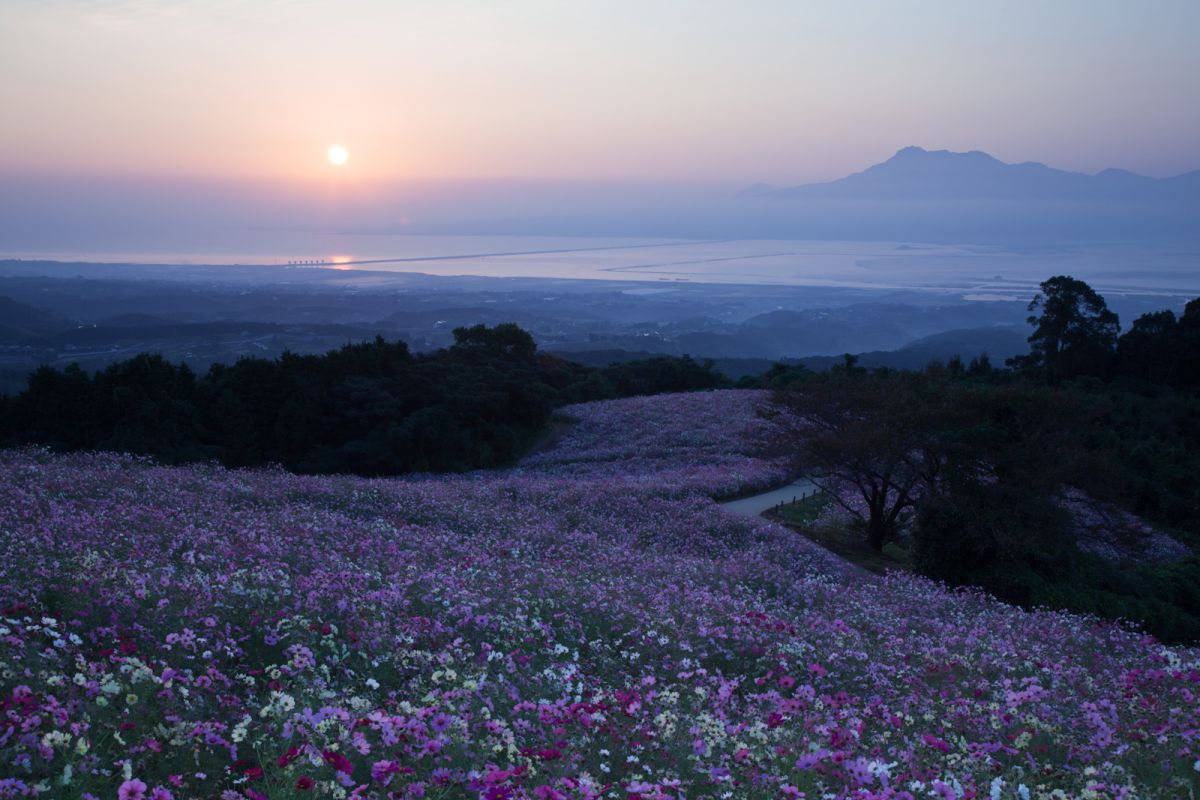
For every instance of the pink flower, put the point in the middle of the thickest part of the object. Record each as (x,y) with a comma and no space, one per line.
(132,790)
(936,743)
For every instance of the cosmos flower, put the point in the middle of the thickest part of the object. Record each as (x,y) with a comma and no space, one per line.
(133,789)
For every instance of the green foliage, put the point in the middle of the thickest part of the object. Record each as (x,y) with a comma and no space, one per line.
(993,535)
(781,376)
(980,458)
(866,437)
(1161,349)
(659,374)
(992,520)
(805,510)
(370,408)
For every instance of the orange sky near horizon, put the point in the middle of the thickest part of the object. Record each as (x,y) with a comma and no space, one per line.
(705,90)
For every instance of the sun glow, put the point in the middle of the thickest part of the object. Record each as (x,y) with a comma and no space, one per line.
(338,155)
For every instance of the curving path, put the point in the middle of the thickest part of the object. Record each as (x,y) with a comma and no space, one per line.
(755,505)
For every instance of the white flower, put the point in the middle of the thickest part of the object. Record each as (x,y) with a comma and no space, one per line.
(880,769)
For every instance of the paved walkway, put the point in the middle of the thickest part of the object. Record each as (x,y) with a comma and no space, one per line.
(756,505)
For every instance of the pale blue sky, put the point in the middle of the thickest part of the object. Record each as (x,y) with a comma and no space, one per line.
(704,90)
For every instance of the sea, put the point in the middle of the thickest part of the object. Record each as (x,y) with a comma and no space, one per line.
(976,272)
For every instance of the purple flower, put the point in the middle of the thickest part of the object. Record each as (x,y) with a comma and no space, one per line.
(132,790)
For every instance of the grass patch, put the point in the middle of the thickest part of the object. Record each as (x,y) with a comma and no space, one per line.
(804,511)
(845,540)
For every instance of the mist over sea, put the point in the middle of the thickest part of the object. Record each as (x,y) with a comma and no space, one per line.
(975,272)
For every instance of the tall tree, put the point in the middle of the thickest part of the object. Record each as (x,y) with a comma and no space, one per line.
(1188,354)
(1075,333)
(869,440)
(1150,349)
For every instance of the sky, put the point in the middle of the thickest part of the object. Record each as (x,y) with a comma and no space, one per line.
(672,91)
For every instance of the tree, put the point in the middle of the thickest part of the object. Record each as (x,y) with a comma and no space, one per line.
(869,441)
(1188,355)
(990,519)
(1076,333)
(1160,348)
(1005,537)
(1149,350)
(506,337)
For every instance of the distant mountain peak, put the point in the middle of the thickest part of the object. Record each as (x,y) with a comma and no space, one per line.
(915,152)
(916,174)
(913,155)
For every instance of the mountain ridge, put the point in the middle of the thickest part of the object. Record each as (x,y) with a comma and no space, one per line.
(952,197)
(916,172)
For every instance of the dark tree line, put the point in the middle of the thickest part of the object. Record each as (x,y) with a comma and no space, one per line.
(967,474)
(1076,335)
(371,408)
(966,465)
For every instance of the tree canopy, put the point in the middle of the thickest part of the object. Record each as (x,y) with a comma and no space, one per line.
(370,408)
(866,439)
(1075,333)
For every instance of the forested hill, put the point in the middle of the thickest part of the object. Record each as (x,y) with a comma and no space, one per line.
(372,408)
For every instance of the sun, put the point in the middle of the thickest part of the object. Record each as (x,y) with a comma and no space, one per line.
(338,155)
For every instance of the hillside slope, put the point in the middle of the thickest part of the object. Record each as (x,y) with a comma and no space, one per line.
(589,624)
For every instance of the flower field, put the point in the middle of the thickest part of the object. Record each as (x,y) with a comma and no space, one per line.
(587,625)
(677,443)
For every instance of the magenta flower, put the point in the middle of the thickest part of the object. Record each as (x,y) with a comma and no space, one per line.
(338,761)
(132,790)
(936,743)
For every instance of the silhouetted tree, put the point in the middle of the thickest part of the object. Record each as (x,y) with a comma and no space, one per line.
(506,337)
(371,408)
(1075,333)
(867,439)
(1003,453)
(980,366)
(1150,349)
(1188,354)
